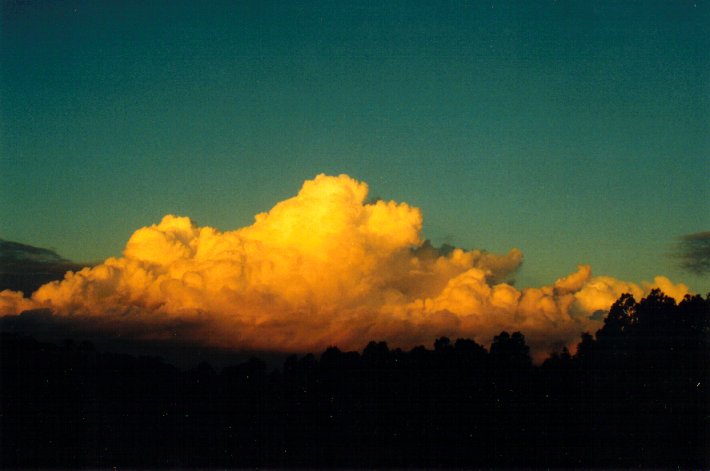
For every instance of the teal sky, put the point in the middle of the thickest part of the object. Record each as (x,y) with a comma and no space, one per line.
(578,132)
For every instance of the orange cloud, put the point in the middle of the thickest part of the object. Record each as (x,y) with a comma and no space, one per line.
(324,267)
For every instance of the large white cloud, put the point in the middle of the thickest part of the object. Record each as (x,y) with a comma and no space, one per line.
(324,267)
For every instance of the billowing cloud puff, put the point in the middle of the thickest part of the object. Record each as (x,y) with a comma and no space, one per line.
(324,267)
(12,302)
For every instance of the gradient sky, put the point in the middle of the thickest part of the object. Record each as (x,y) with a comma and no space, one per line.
(578,132)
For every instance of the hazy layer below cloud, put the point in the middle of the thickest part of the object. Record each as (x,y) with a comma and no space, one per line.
(325,267)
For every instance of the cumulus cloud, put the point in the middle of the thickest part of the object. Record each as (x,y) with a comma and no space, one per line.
(326,267)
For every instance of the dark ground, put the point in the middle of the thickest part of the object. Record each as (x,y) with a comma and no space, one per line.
(634,395)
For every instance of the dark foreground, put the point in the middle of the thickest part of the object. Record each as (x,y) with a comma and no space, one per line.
(636,395)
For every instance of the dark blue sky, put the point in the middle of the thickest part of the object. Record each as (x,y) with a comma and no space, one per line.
(578,132)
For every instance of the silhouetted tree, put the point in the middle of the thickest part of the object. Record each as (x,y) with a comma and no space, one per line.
(620,317)
(510,351)
(442,344)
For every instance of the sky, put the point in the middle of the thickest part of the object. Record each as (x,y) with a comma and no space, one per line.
(576,132)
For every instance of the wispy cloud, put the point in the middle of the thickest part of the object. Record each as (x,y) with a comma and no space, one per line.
(694,253)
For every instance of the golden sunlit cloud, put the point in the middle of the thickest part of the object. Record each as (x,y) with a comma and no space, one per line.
(323,268)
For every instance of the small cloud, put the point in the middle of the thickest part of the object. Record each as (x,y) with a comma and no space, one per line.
(694,253)
(15,251)
(25,267)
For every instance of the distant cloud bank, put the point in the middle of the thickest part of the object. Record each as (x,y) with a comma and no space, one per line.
(326,267)
(25,268)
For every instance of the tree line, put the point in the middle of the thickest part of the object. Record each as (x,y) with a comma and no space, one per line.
(634,394)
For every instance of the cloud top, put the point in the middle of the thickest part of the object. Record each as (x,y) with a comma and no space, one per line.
(325,267)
